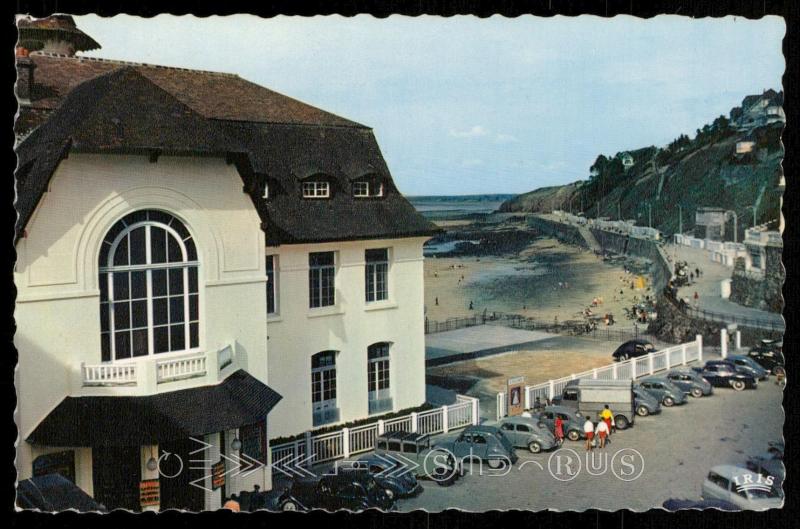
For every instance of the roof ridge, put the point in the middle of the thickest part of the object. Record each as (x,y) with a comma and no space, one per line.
(128,63)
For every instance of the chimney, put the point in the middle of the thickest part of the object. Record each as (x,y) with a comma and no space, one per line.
(25,67)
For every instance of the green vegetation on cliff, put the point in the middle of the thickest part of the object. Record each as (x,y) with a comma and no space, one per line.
(676,179)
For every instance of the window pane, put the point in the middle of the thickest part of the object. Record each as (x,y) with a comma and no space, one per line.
(103,283)
(194,332)
(191,251)
(320,259)
(121,290)
(122,316)
(377,255)
(194,310)
(175,281)
(104,317)
(161,339)
(177,335)
(176,310)
(121,253)
(139,313)
(159,278)
(138,285)
(140,343)
(104,249)
(122,342)
(138,246)
(193,279)
(158,245)
(180,228)
(105,347)
(160,311)
(175,254)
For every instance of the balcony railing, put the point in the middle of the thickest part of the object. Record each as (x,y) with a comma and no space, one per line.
(151,374)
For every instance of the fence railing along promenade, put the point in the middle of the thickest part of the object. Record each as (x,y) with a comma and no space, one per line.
(627,370)
(517,321)
(343,443)
(722,317)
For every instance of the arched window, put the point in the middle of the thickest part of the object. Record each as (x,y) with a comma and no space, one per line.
(323,387)
(148,287)
(378,391)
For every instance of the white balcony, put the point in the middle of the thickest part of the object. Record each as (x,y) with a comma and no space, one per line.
(763,237)
(149,375)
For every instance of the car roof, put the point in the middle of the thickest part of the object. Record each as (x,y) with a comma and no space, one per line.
(517,419)
(481,428)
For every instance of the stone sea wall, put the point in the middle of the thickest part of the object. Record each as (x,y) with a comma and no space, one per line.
(565,233)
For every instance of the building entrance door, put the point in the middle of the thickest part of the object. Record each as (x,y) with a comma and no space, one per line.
(182,475)
(116,474)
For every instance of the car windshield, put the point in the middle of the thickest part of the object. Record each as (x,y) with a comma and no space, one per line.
(504,440)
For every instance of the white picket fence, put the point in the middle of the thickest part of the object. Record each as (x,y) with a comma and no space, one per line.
(343,443)
(629,369)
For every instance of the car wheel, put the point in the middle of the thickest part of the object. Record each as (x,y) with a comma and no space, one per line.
(289,506)
(495,464)
(668,402)
(642,411)
(779,371)
(625,357)
(697,393)
(738,385)
(535,447)
(621,422)
(574,435)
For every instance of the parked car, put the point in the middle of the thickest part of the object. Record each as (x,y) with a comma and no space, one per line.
(389,474)
(690,382)
(645,403)
(721,373)
(674,504)
(589,396)
(633,349)
(769,355)
(527,432)
(742,487)
(484,443)
(353,490)
(433,463)
(747,364)
(665,391)
(572,421)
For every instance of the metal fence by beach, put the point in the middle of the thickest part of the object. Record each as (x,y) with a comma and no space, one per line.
(517,321)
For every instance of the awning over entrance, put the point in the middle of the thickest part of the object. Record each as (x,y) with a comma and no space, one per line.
(134,421)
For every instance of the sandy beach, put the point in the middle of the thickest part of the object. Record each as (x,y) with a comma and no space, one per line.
(546,280)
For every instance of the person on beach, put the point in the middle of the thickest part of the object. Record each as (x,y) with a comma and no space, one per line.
(437,301)
(559,430)
(602,432)
(607,416)
(696,299)
(470,305)
(588,430)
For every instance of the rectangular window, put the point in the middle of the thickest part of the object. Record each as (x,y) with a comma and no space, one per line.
(321,279)
(377,274)
(316,190)
(271,286)
(755,257)
(379,397)
(364,189)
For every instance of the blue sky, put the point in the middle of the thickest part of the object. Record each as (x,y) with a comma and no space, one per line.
(464,105)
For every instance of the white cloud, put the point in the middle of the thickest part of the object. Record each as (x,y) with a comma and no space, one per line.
(475,131)
(506,138)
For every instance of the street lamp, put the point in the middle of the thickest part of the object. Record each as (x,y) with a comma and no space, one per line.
(755,209)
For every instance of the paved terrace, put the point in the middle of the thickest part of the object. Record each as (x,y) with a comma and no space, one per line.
(709,289)
(478,341)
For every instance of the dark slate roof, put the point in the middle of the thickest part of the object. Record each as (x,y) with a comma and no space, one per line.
(33,32)
(272,138)
(239,400)
(54,493)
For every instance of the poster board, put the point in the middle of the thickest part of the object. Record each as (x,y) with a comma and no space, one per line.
(516,395)
(218,475)
(150,493)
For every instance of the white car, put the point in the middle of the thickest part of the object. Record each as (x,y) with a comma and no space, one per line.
(740,486)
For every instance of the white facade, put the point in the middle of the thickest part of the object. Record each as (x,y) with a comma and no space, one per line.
(58,304)
(297,332)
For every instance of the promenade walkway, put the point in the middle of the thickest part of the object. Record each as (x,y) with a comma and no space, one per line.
(709,289)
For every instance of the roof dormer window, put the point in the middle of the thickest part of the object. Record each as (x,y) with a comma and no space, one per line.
(316,189)
(367,188)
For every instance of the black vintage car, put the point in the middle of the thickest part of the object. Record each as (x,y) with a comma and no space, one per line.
(633,349)
(724,374)
(769,354)
(353,490)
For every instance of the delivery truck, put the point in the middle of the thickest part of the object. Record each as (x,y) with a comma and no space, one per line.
(589,396)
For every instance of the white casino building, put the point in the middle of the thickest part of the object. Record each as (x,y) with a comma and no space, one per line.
(203,265)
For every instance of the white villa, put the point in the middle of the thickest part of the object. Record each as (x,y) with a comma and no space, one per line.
(203,265)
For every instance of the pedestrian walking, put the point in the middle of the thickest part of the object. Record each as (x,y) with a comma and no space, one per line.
(588,430)
(602,432)
(559,431)
(437,301)
(696,299)
(607,415)
(232,504)
(697,272)
(470,305)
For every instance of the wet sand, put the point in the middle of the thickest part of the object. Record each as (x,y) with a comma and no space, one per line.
(528,284)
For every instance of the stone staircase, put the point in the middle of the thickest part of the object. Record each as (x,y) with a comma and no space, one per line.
(591,242)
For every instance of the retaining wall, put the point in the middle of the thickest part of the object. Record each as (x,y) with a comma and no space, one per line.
(563,232)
